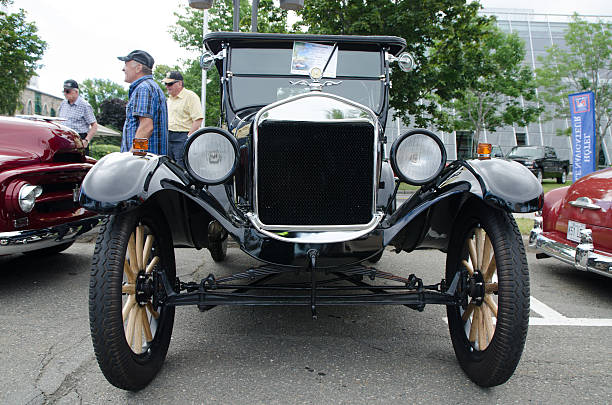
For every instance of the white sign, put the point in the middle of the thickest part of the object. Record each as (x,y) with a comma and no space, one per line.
(308,55)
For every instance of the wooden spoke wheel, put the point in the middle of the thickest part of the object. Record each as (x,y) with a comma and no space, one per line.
(130,330)
(488,333)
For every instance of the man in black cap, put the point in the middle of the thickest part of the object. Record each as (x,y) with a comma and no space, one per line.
(146,114)
(78,113)
(184,115)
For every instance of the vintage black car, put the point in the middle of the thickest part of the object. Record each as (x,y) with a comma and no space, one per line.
(296,175)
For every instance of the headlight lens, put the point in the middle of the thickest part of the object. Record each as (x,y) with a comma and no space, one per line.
(27,196)
(418,156)
(211,155)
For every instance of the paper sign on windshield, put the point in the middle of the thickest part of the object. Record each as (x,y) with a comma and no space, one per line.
(307,55)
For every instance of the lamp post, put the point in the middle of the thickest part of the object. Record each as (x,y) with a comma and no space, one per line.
(203,5)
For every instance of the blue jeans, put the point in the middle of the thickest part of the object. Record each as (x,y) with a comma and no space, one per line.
(176,146)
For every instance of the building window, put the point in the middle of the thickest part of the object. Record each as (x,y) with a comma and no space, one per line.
(464,144)
(37,104)
(29,107)
(520,138)
(52,112)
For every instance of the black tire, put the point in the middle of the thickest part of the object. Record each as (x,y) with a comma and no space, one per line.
(218,249)
(50,250)
(376,257)
(540,175)
(493,361)
(130,366)
(563,178)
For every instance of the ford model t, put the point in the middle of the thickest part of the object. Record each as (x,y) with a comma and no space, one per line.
(297,174)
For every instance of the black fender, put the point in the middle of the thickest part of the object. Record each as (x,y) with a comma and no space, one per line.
(120,182)
(426,220)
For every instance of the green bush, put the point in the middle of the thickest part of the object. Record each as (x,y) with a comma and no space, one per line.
(98,150)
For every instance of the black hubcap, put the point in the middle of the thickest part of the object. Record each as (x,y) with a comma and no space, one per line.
(144,288)
(476,288)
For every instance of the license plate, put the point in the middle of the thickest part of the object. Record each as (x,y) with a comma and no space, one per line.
(573,230)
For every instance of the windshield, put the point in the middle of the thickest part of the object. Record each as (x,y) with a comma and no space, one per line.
(262,76)
(526,152)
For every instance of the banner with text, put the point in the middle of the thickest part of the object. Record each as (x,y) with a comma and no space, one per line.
(582,112)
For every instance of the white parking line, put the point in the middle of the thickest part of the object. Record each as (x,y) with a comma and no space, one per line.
(550,317)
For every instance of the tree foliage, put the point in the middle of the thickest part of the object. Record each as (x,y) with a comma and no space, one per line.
(20,51)
(95,91)
(498,80)
(112,113)
(584,64)
(187,32)
(442,35)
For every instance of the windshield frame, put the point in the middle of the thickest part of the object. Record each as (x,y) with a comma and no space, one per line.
(233,112)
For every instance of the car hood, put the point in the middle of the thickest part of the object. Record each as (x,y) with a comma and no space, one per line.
(22,139)
(11,158)
(597,187)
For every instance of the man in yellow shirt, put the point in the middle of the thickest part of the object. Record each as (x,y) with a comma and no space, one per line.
(184,114)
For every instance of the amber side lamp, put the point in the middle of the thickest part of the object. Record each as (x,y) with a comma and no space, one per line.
(484,151)
(140,146)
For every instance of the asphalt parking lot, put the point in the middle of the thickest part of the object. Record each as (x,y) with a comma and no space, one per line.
(281,356)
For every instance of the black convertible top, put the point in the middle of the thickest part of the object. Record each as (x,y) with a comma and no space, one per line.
(214,40)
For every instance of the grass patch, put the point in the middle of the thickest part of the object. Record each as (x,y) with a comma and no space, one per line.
(404,186)
(525,225)
(548,185)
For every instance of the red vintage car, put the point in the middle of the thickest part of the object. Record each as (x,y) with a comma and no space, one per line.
(576,224)
(42,165)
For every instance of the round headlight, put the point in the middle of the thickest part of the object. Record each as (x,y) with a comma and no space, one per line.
(418,156)
(27,196)
(211,155)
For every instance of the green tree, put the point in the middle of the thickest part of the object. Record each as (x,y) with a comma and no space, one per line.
(112,113)
(20,51)
(585,64)
(440,34)
(498,80)
(187,32)
(95,91)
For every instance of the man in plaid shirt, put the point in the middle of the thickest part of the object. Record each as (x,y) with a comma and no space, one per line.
(146,114)
(78,113)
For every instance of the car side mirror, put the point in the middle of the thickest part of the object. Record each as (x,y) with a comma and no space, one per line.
(405,61)
(207,60)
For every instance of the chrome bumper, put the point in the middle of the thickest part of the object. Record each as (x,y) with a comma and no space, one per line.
(34,239)
(583,256)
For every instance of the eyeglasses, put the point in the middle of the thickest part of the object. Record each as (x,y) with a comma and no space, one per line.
(170,84)
(67,91)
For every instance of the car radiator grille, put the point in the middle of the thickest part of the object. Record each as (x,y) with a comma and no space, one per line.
(315,173)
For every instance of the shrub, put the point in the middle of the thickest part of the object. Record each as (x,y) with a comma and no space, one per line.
(97,151)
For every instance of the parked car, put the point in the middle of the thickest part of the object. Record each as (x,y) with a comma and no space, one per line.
(576,224)
(42,165)
(542,161)
(299,182)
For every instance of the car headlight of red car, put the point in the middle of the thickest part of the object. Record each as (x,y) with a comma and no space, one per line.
(21,196)
(27,196)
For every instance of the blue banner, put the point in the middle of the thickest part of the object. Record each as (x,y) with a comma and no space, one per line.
(582,113)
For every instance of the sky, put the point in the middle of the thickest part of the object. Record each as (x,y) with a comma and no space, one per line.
(85,37)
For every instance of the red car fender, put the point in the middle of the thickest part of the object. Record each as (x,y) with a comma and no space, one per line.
(552,204)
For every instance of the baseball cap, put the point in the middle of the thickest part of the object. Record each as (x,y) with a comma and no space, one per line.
(71,84)
(140,57)
(172,76)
